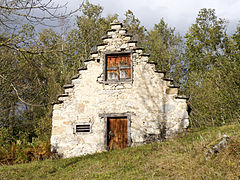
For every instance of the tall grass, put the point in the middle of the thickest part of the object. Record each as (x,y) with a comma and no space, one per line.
(179,158)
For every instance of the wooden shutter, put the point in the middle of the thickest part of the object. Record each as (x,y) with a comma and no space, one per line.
(118,67)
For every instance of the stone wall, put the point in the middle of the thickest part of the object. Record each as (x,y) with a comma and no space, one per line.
(152,104)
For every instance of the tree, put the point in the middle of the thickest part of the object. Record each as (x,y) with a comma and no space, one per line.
(91,27)
(22,72)
(205,41)
(165,47)
(211,78)
(15,13)
(132,24)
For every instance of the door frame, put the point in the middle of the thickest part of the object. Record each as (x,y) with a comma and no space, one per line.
(114,115)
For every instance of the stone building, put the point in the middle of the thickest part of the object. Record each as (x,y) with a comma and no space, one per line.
(117,100)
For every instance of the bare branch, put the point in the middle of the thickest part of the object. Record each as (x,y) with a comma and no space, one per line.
(29,104)
(32,11)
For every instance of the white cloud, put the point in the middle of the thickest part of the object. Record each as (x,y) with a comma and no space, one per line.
(177,13)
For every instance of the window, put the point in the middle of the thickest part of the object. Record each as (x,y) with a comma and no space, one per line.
(82,128)
(118,67)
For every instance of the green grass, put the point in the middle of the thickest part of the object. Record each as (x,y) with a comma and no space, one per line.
(179,158)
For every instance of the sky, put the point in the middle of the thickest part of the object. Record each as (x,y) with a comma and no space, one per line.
(177,13)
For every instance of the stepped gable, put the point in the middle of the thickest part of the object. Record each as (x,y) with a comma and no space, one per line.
(118,99)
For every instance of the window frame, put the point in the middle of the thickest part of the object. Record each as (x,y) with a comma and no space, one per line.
(127,80)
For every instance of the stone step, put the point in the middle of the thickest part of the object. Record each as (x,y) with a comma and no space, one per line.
(161,73)
(128,35)
(149,62)
(94,54)
(82,68)
(101,47)
(148,55)
(75,76)
(62,95)
(138,50)
(122,31)
(57,102)
(172,91)
(158,71)
(132,43)
(116,23)
(173,86)
(182,97)
(88,60)
(110,32)
(102,44)
(168,79)
(106,37)
(67,86)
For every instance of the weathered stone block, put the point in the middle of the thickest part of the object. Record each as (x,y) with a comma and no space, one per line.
(172,91)
(58,130)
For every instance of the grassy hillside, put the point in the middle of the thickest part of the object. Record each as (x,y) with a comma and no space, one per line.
(179,158)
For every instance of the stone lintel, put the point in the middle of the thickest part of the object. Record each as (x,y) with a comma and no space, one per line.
(103,115)
(114,52)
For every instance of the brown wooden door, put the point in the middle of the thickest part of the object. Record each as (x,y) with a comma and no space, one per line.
(117,133)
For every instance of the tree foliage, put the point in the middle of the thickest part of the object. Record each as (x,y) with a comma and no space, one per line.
(34,66)
(165,47)
(90,28)
(212,82)
(206,40)
(134,27)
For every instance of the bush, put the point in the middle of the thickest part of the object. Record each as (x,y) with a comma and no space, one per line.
(14,151)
